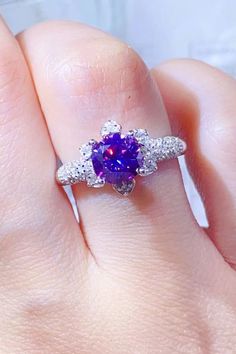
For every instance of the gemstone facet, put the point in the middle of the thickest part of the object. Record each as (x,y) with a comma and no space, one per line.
(117,158)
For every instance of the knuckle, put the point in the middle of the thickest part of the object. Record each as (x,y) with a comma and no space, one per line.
(114,69)
(221,139)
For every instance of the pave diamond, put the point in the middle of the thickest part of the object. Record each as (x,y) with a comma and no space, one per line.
(110,127)
(86,149)
(71,173)
(141,135)
(94,181)
(124,188)
(116,158)
(171,147)
(149,166)
(153,146)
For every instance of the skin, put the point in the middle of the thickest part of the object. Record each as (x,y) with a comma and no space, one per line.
(137,275)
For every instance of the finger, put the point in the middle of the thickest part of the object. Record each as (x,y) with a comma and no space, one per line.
(201,102)
(86,78)
(31,206)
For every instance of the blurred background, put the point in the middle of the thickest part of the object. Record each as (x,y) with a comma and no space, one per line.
(157,29)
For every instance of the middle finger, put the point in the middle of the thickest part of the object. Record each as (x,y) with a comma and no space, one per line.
(86,78)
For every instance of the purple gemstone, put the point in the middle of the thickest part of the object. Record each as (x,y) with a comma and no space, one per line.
(117,158)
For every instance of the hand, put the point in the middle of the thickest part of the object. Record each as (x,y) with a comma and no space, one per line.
(137,275)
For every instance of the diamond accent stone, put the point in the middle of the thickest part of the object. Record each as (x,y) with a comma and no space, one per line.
(150,150)
(71,173)
(125,188)
(94,181)
(110,127)
(153,146)
(89,175)
(86,149)
(149,166)
(141,135)
(171,148)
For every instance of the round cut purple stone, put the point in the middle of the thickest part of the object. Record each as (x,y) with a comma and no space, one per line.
(117,158)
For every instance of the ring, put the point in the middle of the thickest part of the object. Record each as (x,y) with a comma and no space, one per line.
(118,158)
